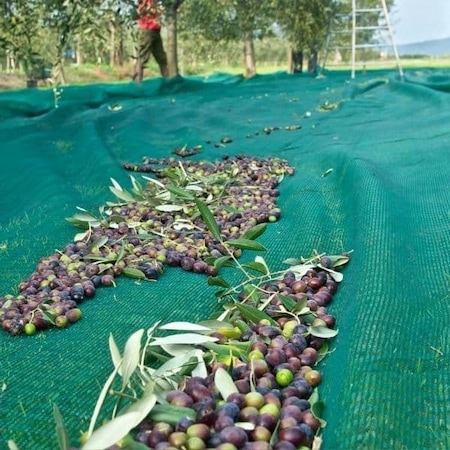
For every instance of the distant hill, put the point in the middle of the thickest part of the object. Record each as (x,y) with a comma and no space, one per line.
(437,47)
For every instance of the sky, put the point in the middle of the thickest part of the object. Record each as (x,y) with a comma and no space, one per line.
(420,20)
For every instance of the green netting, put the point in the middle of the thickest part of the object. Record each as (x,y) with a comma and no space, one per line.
(387,197)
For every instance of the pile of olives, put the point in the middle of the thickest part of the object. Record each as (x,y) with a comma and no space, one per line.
(137,239)
(272,406)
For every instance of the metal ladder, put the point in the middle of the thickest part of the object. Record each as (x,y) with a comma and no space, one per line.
(356,15)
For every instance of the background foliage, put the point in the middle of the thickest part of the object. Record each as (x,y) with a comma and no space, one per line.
(54,33)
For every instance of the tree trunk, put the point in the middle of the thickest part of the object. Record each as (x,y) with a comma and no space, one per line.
(312,62)
(172,48)
(120,51)
(78,51)
(249,56)
(295,61)
(112,44)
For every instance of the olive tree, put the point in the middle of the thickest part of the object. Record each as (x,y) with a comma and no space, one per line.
(230,20)
(21,36)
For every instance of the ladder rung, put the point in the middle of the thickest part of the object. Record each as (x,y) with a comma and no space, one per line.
(378,27)
(368,10)
(347,47)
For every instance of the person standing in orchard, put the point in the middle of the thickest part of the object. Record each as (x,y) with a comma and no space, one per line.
(150,41)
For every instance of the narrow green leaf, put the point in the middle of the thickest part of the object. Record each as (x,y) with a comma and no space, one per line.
(61,432)
(131,355)
(115,353)
(323,332)
(216,324)
(179,192)
(301,307)
(169,208)
(122,195)
(337,276)
(288,302)
(48,317)
(261,260)
(174,365)
(177,349)
(257,267)
(222,261)
(218,281)
(98,243)
(246,244)
(131,272)
(81,236)
(170,413)
(224,383)
(339,260)
(128,443)
(238,349)
(184,338)
(254,232)
(154,181)
(84,217)
(185,326)
(112,431)
(254,315)
(292,261)
(208,218)
(101,399)
(322,352)
(252,293)
(143,405)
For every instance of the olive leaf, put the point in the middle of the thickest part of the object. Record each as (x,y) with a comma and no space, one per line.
(208,218)
(322,352)
(185,326)
(112,431)
(288,302)
(221,262)
(337,276)
(254,315)
(156,182)
(317,407)
(215,325)
(83,220)
(170,413)
(322,332)
(255,231)
(246,244)
(61,432)
(224,383)
(256,266)
(175,364)
(218,281)
(131,355)
(122,195)
(183,338)
(115,353)
(301,269)
(177,349)
(101,399)
(98,243)
(132,272)
(251,292)
(235,348)
(179,192)
(339,260)
(169,208)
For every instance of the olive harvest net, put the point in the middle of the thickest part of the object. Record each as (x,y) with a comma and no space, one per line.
(372,162)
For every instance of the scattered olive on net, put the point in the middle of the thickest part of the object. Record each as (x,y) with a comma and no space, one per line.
(139,240)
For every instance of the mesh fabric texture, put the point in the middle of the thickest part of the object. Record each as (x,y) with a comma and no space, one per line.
(387,198)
